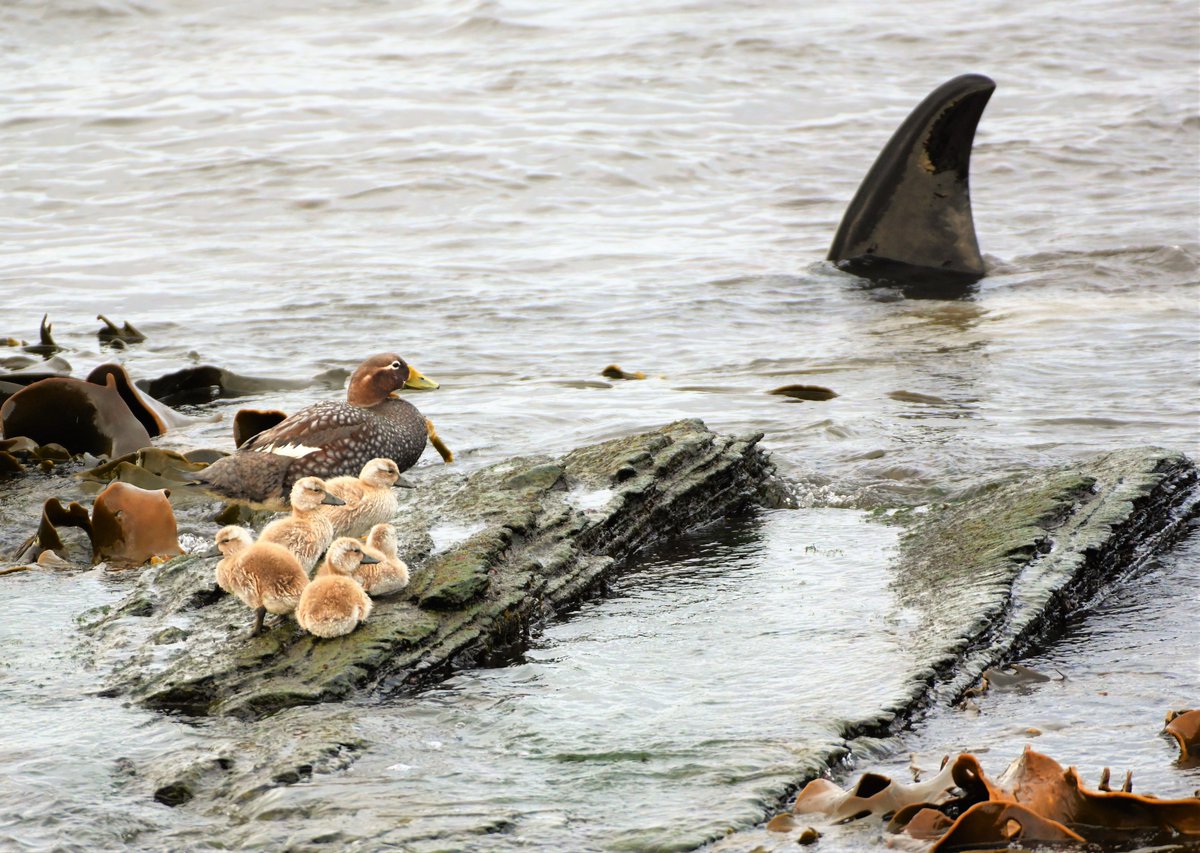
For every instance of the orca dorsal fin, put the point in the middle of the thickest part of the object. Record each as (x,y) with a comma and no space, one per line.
(911,216)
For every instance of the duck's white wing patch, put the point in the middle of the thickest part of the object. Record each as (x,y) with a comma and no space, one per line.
(296,451)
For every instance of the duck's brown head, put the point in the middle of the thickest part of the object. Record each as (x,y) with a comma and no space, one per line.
(379,376)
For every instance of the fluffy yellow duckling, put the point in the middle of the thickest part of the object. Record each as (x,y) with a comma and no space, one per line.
(390,574)
(265,576)
(307,532)
(231,541)
(334,604)
(369,498)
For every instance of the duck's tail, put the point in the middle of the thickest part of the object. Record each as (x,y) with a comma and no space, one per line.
(249,477)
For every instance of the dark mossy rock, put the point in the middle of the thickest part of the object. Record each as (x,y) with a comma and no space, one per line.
(519,540)
(998,573)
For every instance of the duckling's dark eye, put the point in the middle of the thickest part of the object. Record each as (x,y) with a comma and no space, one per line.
(395,365)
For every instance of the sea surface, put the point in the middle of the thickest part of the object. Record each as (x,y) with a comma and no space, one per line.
(513,195)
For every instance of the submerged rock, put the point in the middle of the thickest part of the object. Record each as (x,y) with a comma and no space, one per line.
(996,574)
(528,549)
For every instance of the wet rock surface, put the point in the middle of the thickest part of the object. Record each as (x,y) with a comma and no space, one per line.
(535,535)
(497,551)
(995,574)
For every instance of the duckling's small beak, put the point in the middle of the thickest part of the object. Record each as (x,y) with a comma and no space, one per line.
(404,483)
(417,382)
(368,559)
(333,500)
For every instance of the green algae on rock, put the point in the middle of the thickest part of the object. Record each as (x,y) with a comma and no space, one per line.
(535,535)
(995,574)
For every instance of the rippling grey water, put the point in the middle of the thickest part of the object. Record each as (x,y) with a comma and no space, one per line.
(514,195)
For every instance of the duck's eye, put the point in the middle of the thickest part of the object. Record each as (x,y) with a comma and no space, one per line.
(395,365)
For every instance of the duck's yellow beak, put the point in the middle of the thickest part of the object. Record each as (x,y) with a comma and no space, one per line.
(418,382)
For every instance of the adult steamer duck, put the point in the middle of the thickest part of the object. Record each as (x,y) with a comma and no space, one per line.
(330,439)
(910,223)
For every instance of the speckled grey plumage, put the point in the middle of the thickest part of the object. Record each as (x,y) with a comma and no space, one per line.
(346,438)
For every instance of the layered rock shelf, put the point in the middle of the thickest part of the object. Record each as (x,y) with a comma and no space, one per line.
(492,553)
(498,551)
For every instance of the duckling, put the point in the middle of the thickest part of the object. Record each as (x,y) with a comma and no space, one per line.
(306,532)
(231,541)
(334,603)
(369,498)
(329,439)
(390,574)
(265,576)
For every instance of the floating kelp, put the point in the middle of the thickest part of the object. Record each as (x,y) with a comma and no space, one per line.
(1039,782)
(805,392)
(19,444)
(46,344)
(81,416)
(50,560)
(169,464)
(7,389)
(1034,801)
(787,823)
(54,516)
(1184,726)
(127,525)
(10,466)
(130,525)
(206,383)
(614,371)
(24,364)
(156,417)
(125,334)
(914,397)
(995,824)
(151,468)
(874,794)
(24,371)
(248,423)
(1012,676)
(19,451)
(104,414)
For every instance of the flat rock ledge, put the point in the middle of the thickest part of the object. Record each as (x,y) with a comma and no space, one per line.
(491,553)
(996,575)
